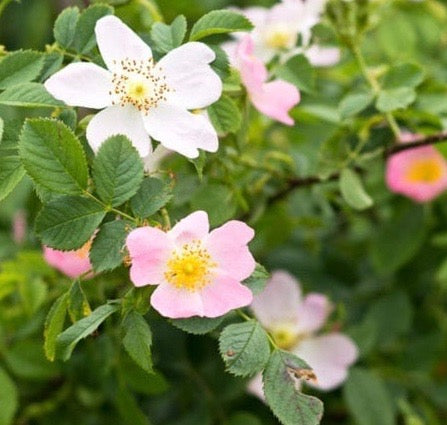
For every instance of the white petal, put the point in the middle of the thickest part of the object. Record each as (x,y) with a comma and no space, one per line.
(116,41)
(81,84)
(153,160)
(119,120)
(193,82)
(181,131)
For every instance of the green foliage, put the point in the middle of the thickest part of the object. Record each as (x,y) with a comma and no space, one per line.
(67,340)
(225,115)
(65,26)
(28,95)
(168,37)
(54,324)
(198,325)
(353,192)
(354,103)
(107,248)
(244,348)
(288,404)
(11,173)
(395,98)
(53,156)
(257,281)
(368,398)
(219,22)
(68,222)
(152,195)
(117,171)
(9,398)
(20,67)
(137,340)
(78,305)
(298,71)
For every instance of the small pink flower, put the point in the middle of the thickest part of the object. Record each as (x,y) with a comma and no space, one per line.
(71,263)
(294,321)
(419,173)
(198,272)
(273,98)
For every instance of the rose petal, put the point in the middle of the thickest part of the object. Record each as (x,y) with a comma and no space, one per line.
(116,41)
(149,250)
(71,263)
(195,85)
(313,313)
(193,227)
(181,131)
(119,120)
(81,84)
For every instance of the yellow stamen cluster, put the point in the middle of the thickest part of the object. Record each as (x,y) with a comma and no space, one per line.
(285,336)
(190,267)
(138,83)
(424,171)
(279,37)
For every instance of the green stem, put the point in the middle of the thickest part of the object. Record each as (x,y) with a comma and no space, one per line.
(166,219)
(64,52)
(108,208)
(3,4)
(375,87)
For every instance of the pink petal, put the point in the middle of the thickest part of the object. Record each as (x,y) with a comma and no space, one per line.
(399,166)
(149,250)
(313,312)
(228,247)
(177,303)
(330,357)
(71,263)
(193,227)
(256,387)
(279,302)
(276,99)
(223,295)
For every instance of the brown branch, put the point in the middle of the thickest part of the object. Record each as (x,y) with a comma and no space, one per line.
(420,141)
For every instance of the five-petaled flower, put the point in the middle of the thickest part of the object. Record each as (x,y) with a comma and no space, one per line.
(143,99)
(419,173)
(272,98)
(293,321)
(72,263)
(198,272)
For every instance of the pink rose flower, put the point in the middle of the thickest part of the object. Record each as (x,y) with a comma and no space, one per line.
(294,321)
(71,263)
(198,272)
(419,173)
(273,98)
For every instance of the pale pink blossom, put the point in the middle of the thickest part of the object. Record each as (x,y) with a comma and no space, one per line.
(19,227)
(272,98)
(419,173)
(140,98)
(72,263)
(294,321)
(198,272)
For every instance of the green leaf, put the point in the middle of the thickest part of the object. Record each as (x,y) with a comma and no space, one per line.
(2,126)
(67,340)
(52,62)
(84,39)
(137,340)
(20,67)
(78,305)
(244,418)
(9,398)
(65,26)
(351,188)
(288,404)
(403,75)
(33,293)
(219,22)
(244,348)
(225,115)
(153,195)
(11,173)
(257,281)
(298,71)
(398,98)
(107,248)
(368,398)
(220,65)
(168,37)
(128,408)
(29,95)
(393,244)
(68,222)
(54,324)
(117,170)
(354,103)
(198,325)
(53,156)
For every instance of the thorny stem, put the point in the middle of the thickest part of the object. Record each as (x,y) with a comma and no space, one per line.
(422,141)
(375,87)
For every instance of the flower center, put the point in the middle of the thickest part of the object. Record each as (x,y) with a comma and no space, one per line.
(84,251)
(138,83)
(286,336)
(280,37)
(190,267)
(424,171)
